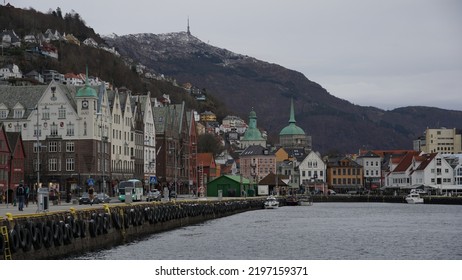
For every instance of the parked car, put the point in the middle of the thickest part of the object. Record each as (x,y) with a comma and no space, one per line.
(172,194)
(153,195)
(84,199)
(352,192)
(99,198)
(102,198)
(331,192)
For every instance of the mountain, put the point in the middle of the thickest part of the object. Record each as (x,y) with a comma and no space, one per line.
(244,83)
(241,82)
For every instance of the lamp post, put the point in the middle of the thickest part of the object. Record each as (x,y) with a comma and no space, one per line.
(103,154)
(38,152)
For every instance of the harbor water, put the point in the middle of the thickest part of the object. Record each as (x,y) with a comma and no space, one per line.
(324,231)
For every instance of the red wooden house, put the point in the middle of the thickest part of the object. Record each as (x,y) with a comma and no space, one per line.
(12,158)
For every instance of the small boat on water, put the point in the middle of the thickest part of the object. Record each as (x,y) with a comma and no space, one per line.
(291,200)
(305,201)
(271,202)
(414,198)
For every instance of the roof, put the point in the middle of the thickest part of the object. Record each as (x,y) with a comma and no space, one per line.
(252,133)
(235,178)
(205,159)
(292,128)
(405,162)
(86,91)
(254,150)
(270,180)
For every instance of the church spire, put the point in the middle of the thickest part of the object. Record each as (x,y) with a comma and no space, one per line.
(292,113)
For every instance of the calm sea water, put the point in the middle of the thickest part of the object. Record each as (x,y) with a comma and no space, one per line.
(325,231)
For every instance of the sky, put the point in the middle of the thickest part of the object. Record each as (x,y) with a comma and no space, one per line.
(385,54)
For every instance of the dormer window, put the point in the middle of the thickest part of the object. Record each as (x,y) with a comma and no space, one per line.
(3,114)
(18,113)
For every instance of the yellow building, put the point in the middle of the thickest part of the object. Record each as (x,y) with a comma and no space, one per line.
(442,140)
(208,116)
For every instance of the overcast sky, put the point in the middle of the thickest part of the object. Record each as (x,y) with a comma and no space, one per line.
(385,54)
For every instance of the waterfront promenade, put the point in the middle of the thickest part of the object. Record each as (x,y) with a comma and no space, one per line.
(65,206)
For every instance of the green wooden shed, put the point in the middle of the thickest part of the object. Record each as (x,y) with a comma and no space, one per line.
(230,185)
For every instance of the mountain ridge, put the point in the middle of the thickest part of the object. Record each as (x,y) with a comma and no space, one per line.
(244,83)
(241,82)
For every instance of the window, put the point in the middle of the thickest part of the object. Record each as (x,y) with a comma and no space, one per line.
(70,129)
(18,113)
(53,164)
(53,146)
(3,114)
(46,113)
(35,165)
(70,164)
(35,147)
(37,130)
(62,113)
(70,147)
(438,161)
(54,129)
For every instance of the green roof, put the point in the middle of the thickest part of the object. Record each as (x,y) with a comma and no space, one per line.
(292,128)
(252,134)
(86,91)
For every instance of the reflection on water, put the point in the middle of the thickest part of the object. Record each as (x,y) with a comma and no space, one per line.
(323,231)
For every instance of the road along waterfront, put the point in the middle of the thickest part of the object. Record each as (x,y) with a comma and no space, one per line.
(324,231)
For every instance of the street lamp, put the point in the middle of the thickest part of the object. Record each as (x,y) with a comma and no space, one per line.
(103,154)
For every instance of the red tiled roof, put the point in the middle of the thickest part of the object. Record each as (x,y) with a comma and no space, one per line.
(206,159)
(405,162)
(426,159)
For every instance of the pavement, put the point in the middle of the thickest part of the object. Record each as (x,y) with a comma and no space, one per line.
(64,206)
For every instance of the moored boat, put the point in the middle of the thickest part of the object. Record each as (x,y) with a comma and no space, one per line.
(291,200)
(271,202)
(305,201)
(414,198)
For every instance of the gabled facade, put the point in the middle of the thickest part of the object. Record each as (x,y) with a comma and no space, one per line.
(415,169)
(344,174)
(312,169)
(123,141)
(149,139)
(399,170)
(138,134)
(16,160)
(5,153)
(207,169)
(192,158)
(173,145)
(256,162)
(61,128)
(371,164)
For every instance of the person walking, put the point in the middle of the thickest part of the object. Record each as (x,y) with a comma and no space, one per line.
(20,192)
(91,195)
(26,195)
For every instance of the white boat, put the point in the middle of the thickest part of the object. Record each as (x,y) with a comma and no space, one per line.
(305,201)
(271,202)
(414,198)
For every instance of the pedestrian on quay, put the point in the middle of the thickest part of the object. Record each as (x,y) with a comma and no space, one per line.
(26,195)
(91,191)
(20,192)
